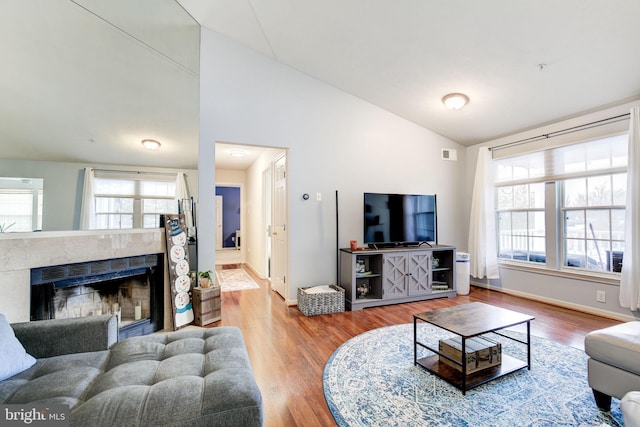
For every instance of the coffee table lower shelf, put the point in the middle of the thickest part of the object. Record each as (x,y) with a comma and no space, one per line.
(454,377)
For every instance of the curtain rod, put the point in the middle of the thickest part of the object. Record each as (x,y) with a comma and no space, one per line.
(136,172)
(585,126)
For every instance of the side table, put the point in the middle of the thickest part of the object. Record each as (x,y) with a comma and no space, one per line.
(206,305)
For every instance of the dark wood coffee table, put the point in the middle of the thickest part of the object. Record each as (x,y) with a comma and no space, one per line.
(468,321)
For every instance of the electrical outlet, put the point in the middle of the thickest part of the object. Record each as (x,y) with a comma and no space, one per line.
(601,296)
(318,196)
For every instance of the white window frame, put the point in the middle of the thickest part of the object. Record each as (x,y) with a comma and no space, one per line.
(555,258)
(31,187)
(589,237)
(137,214)
(528,236)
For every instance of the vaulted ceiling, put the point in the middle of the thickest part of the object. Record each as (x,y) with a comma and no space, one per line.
(86,80)
(521,63)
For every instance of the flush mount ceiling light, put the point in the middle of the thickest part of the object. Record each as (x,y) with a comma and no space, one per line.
(455,101)
(150,144)
(237,153)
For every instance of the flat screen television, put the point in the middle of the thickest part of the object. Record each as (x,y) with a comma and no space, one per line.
(399,219)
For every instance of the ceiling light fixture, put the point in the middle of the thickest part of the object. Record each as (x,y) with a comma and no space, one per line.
(455,101)
(237,153)
(150,144)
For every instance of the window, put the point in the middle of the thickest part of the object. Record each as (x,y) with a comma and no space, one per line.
(593,203)
(520,208)
(521,227)
(564,207)
(125,203)
(20,204)
(158,198)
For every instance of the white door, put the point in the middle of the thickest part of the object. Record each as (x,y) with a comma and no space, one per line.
(218,222)
(279,239)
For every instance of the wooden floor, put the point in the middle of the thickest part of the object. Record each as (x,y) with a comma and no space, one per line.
(288,351)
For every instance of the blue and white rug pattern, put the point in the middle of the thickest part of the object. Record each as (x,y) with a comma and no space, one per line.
(371,380)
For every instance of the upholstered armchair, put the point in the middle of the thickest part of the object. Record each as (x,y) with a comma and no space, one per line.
(614,368)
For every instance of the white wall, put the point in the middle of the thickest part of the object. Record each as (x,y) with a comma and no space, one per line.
(226,177)
(63,187)
(335,142)
(573,292)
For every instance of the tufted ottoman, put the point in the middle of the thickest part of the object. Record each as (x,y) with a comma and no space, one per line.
(197,377)
(614,361)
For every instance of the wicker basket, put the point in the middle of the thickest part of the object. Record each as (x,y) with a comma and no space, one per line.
(311,304)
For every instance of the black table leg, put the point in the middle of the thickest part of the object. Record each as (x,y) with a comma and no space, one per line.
(415,343)
(529,345)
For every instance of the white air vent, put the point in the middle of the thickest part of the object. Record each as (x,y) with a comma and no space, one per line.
(449,154)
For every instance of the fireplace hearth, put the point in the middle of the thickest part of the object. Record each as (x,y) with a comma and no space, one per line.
(130,287)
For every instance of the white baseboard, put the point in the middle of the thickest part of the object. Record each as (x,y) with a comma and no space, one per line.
(287,301)
(559,303)
(253,270)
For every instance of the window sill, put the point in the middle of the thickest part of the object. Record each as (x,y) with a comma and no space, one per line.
(609,279)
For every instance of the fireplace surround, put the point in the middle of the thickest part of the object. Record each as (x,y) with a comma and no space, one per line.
(22,252)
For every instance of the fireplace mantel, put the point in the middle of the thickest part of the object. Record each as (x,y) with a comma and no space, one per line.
(20,252)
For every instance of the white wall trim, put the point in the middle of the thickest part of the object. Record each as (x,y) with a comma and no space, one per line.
(558,303)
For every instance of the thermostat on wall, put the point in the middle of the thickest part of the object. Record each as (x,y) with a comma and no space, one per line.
(449,154)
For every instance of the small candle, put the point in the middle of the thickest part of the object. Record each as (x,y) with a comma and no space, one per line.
(115,308)
(138,311)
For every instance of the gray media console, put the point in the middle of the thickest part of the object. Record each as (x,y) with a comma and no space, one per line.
(374,277)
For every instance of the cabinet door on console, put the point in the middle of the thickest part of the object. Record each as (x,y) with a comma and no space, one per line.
(419,273)
(394,276)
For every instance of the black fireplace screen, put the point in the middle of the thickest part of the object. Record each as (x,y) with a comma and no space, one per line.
(132,288)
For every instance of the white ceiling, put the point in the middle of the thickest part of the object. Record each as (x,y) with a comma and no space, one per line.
(86,80)
(240,157)
(405,55)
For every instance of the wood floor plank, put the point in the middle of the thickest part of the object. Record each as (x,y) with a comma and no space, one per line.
(288,350)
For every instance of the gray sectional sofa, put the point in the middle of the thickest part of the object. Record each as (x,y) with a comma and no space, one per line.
(186,378)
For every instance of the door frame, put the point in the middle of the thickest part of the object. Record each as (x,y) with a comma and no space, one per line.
(284,208)
(232,255)
(219,213)
(267,203)
(241,214)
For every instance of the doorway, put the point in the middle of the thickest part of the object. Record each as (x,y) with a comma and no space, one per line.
(229,223)
(256,175)
(228,207)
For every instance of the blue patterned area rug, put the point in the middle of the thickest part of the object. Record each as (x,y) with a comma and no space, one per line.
(370,380)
